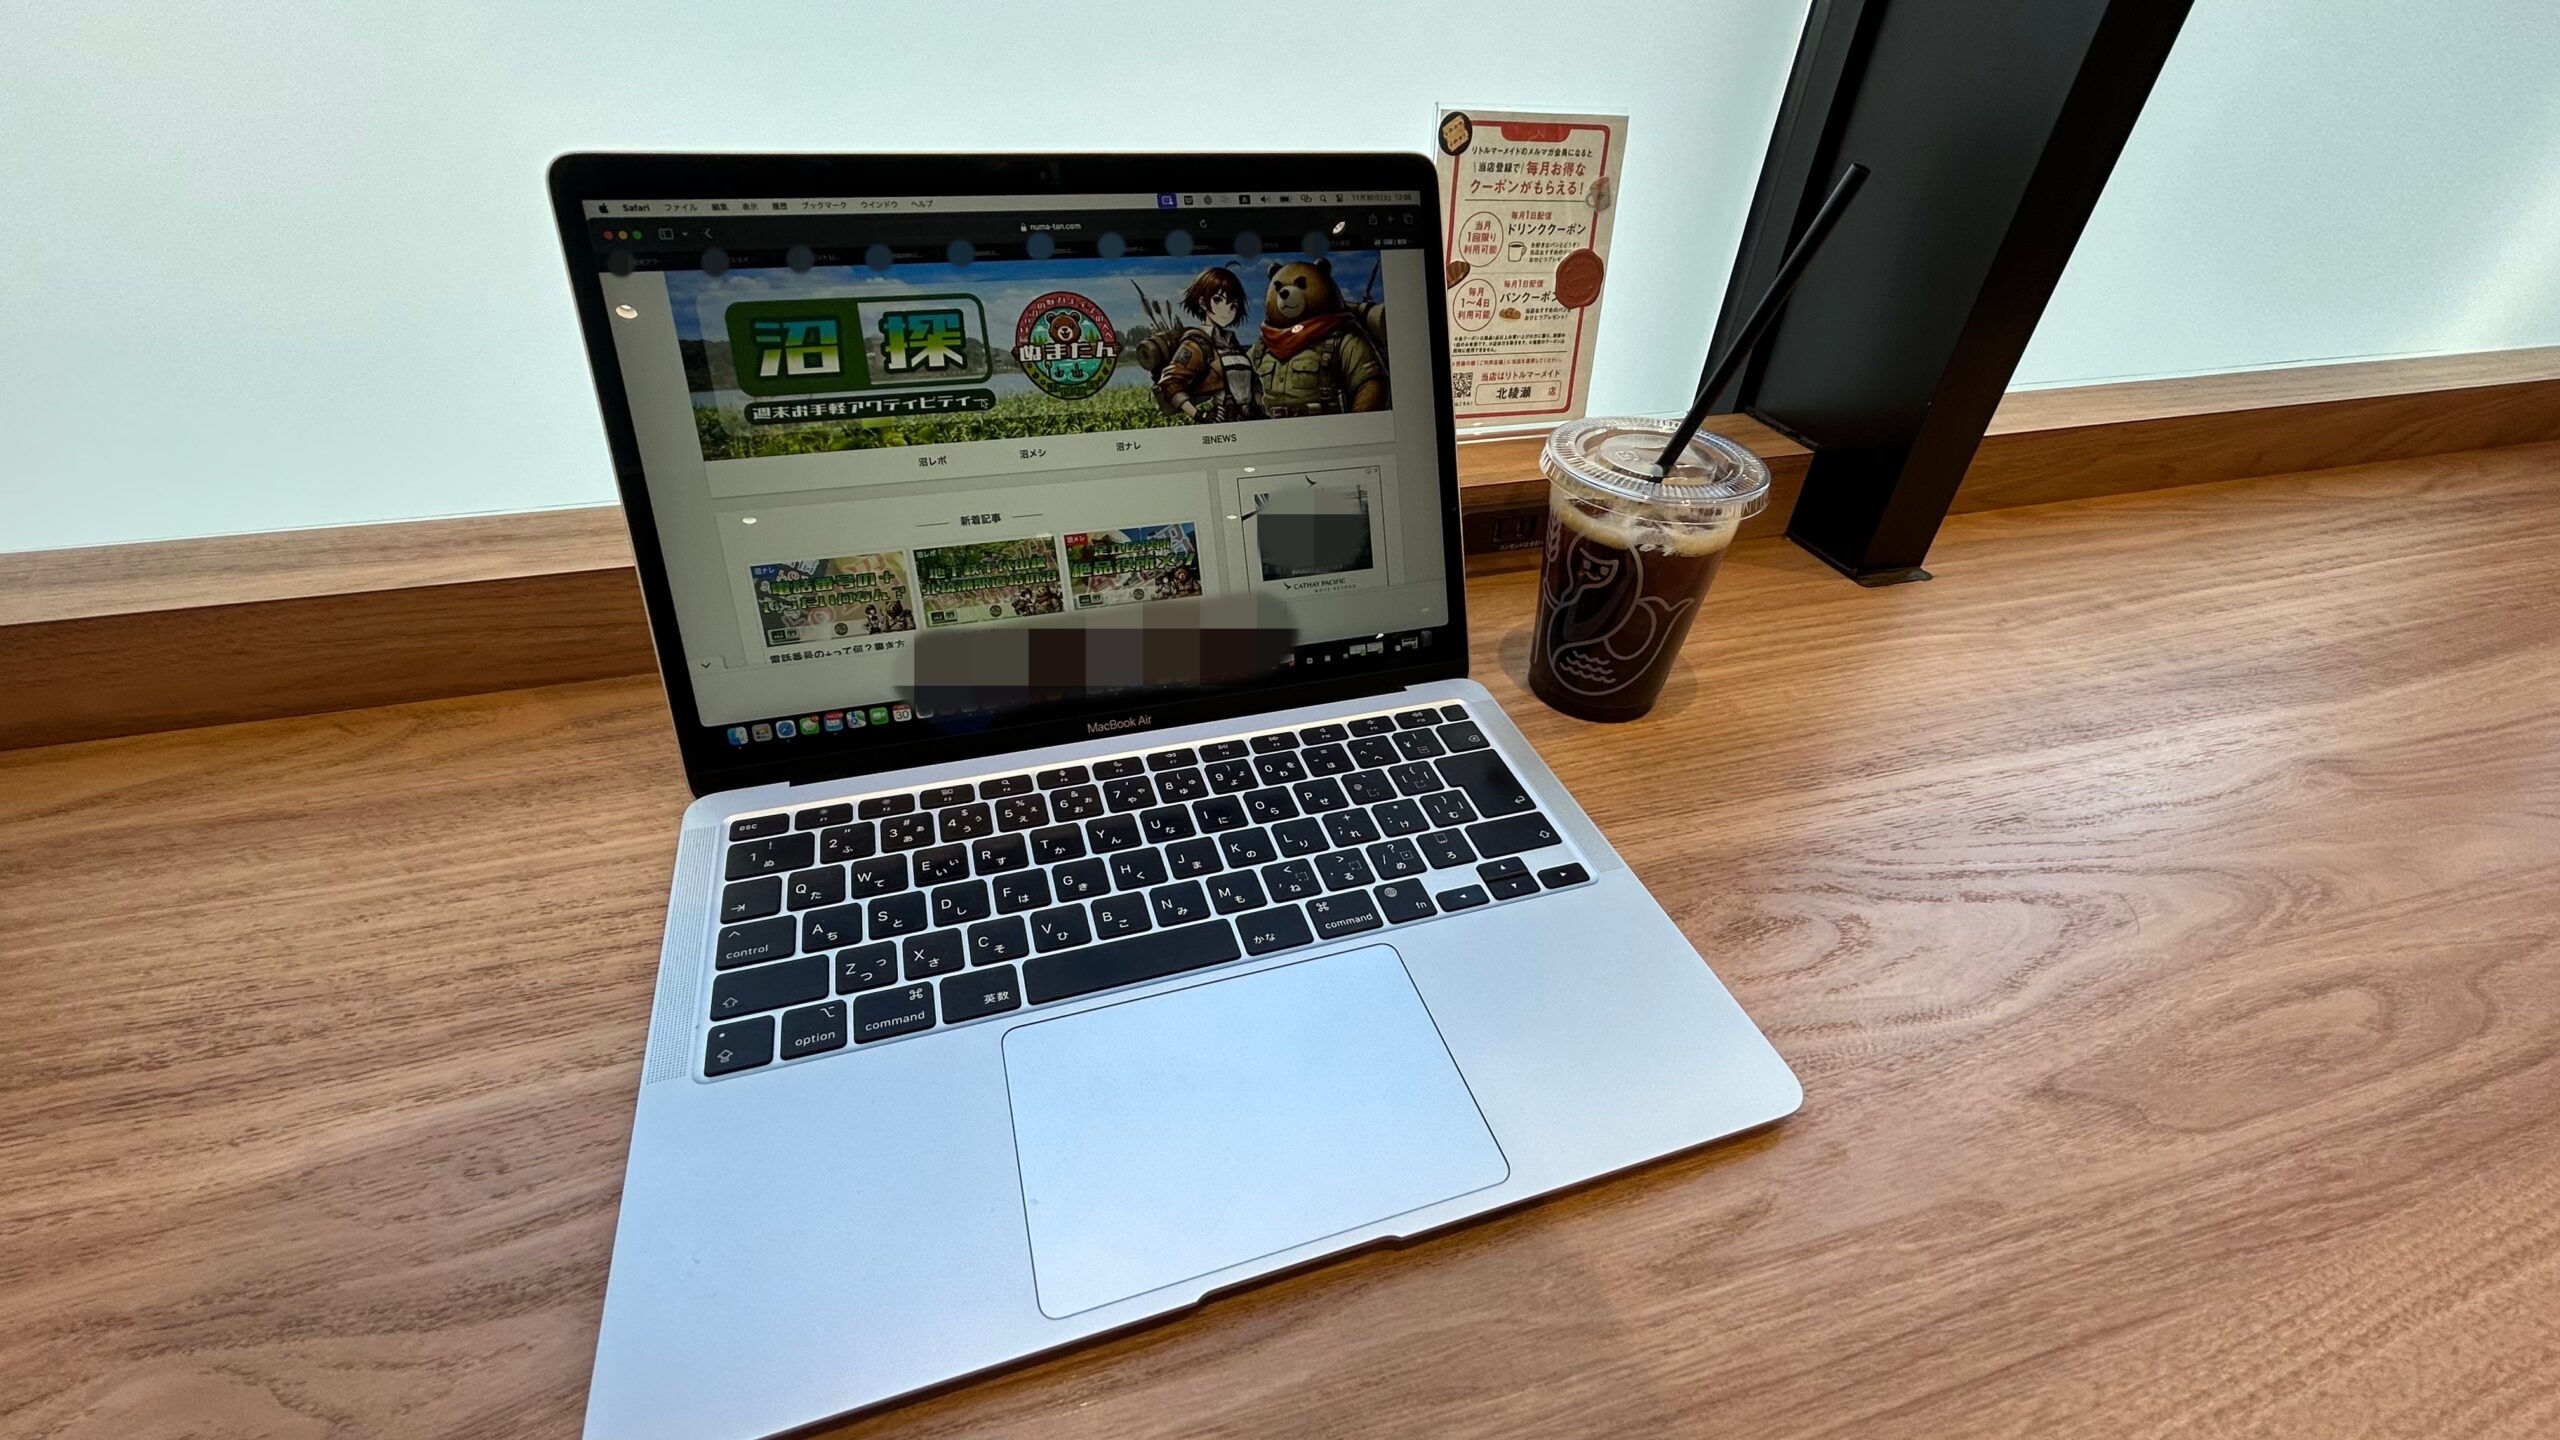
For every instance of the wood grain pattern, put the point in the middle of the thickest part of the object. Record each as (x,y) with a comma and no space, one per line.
(2162,907)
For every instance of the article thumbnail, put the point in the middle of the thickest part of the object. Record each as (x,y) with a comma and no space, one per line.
(843,595)
(1305,526)
(1133,566)
(989,580)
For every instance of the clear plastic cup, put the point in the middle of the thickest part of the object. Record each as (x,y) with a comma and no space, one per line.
(1629,555)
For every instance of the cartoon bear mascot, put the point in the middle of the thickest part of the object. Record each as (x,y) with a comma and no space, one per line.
(1314,357)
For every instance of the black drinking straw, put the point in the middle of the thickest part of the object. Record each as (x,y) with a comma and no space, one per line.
(1739,349)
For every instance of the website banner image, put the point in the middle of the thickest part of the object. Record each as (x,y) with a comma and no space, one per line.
(1133,566)
(832,599)
(780,362)
(990,580)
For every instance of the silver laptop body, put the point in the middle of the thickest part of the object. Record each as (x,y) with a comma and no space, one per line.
(1027,1013)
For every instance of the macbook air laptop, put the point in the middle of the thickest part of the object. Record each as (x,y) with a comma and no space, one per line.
(1105,887)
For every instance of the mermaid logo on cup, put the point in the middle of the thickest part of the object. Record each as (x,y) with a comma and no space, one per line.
(1605,627)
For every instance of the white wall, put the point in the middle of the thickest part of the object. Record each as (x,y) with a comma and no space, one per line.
(233,304)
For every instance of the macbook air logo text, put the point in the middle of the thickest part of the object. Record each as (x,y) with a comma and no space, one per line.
(1125,722)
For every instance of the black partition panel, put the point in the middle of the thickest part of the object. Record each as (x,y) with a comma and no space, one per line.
(1991,127)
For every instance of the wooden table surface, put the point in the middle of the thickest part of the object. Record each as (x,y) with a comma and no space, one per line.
(2162,907)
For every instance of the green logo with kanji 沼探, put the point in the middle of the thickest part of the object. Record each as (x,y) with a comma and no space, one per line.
(845,344)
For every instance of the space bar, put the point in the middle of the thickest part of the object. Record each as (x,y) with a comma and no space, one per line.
(1126,962)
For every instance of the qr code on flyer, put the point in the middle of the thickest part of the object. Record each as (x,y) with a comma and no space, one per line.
(1462,386)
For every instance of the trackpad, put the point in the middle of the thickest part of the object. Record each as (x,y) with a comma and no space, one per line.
(1174,1136)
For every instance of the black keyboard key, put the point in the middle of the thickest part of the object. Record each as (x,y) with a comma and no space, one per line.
(756,940)
(1134,869)
(1076,802)
(1192,859)
(1118,915)
(1021,812)
(1395,859)
(896,915)
(1337,915)
(1350,827)
(1026,891)
(814,1030)
(1114,832)
(1299,837)
(1063,775)
(1503,869)
(1372,751)
(1279,769)
(768,987)
(740,1046)
(1448,807)
(994,941)
(1082,879)
(884,1013)
(1126,962)
(1403,902)
(1181,786)
(961,903)
(1274,742)
(1513,834)
(866,967)
(967,822)
(1317,797)
(1416,778)
(880,806)
(1327,760)
(1003,786)
(1178,904)
(987,992)
(1265,806)
(833,926)
(879,875)
(1373,725)
(1230,777)
(1166,823)
(778,855)
(938,953)
(1172,759)
(1417,719)
(906,832)
(757,827)
(1512,887)
(1453,712)
(998,854)
(1235,891)
(1247,847)
(750,899)
(1462,736)
(1130,792)
(1400,817)
(1291,880)
(1444,848)
(942,864)
(1057,929)
(1224,750)
(821,886)
(847,842)
(1488,782)
(819,817)
(1556,877)
(1057,844)
(1344,870)
(1368,787)
(1223,813)
(1115,769)
(1324,734)
(1465,897)
(1283,928)
(1420,745)
(941,795)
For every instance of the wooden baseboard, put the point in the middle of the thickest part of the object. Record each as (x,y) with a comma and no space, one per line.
(126,639)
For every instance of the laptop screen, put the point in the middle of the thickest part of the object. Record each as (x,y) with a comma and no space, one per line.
(939,464)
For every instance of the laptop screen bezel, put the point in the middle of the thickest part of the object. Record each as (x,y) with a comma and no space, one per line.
(710,763)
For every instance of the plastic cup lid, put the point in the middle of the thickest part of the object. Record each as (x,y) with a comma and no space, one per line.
(1617,456)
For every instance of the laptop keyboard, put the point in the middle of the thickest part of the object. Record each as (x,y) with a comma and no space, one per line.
(861,921)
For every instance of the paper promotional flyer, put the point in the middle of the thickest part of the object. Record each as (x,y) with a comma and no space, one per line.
(1528,199)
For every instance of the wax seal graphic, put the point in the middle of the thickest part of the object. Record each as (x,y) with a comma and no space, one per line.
(1578,277)
(1458,270)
